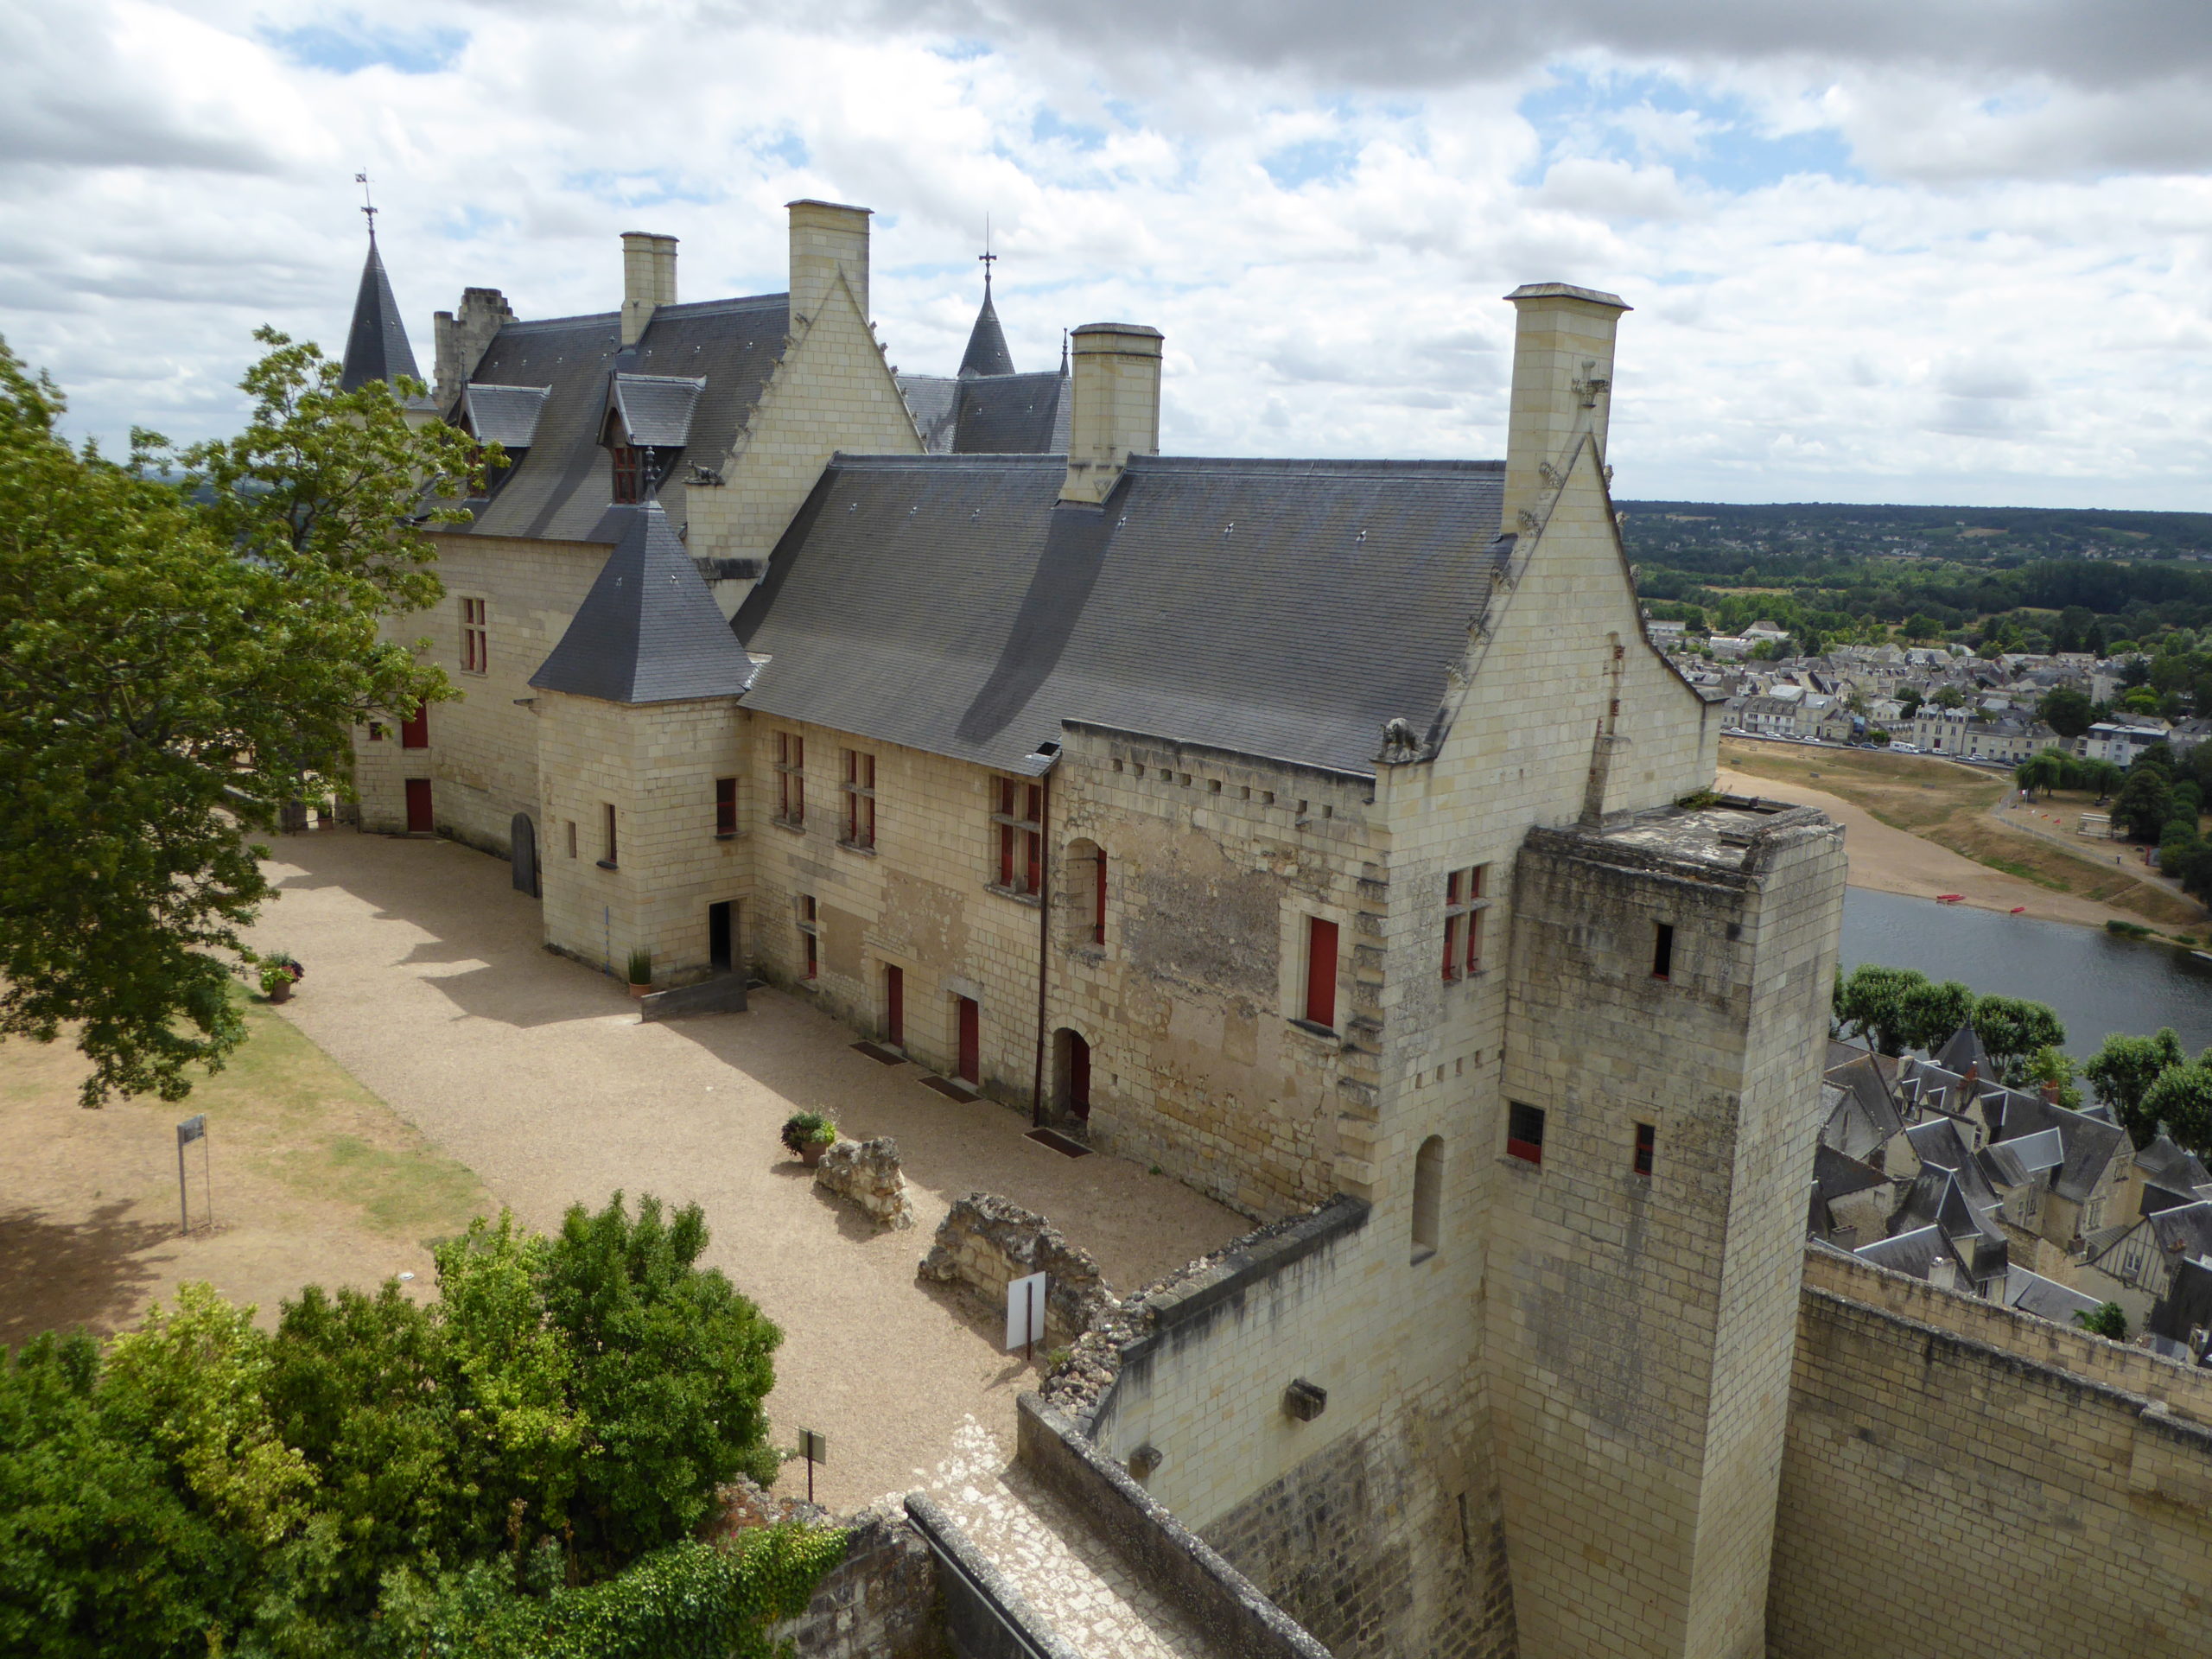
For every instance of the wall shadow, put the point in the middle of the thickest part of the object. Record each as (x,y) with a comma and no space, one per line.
(56,1275)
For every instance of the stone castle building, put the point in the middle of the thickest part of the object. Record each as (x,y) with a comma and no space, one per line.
(1328,833)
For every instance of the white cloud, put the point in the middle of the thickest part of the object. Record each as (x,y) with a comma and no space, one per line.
(1871,258)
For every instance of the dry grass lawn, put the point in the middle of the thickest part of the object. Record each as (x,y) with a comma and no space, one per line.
(1949,806)
(315,1181)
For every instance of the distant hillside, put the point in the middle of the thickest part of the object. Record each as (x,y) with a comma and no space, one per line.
(1718,535)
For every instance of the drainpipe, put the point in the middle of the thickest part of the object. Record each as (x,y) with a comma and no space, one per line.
(1044,941)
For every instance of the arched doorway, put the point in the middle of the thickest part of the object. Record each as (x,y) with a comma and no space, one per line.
(1071,1073)
(522,854)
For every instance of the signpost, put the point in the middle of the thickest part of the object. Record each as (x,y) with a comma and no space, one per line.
(194,1129)
(815,1448)
(1025,1314)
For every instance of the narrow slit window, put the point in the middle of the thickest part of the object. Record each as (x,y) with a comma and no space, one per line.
(1098,899)
(1465,900)
(572,837)
(725,806)
(791,779)
(1647,1142)
(1525,1132)
(859,800)
(1428,1195)
(1320,972)
(612,856)
(1663,950)
(809,936)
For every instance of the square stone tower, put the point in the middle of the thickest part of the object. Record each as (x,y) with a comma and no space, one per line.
(1667,991)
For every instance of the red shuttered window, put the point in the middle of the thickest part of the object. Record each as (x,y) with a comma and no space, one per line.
(1320,972)
(1464,901)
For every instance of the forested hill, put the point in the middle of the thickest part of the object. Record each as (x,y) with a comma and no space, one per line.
(1719,537)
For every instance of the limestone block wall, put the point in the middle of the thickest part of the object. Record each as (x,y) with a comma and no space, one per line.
(482,758)
(1192,1006)
(984,1244)
(921,900)
(833,391)
(656,764)
(1638,1324)
(1375,1524)
(1948,1495)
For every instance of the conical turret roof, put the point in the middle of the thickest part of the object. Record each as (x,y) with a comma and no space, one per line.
(649,631)
(987,352)
(376,346)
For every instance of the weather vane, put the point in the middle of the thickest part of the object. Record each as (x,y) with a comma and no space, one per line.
(987,257)
(368,203)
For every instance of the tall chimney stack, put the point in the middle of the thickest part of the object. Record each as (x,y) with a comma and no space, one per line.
(1562,387)
(648,280)
(1115,387)
(828,239)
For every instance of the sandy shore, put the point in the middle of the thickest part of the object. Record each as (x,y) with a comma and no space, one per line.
(1887,859)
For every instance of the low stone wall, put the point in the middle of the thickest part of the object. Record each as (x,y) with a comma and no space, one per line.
(985,1616)
(1237,1619)
(985,1243)
(880,1602)
(866,1173)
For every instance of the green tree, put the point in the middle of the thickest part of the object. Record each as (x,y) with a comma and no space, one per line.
(180,664)
(2054,1068)
(1950,697)
(2066,710)
(1869,1004)
(2143,803)
(2181,1099)
(2123,1070)
(2012,1029)
(2048,769)
(2107,1319)
(1928,1015)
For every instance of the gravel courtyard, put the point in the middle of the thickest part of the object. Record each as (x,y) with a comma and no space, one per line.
(426,980)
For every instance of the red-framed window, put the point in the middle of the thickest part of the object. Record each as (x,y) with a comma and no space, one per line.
(811,935)
(859,800)
(1320,972)
(415,730)
(475,636)
(1525,1132)
(1647,1146)
(790,778)
(1464,901)
(631,464)
(725,806)
(1019,820)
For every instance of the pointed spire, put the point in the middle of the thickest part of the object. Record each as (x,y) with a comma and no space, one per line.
(987,352)
(376,345)
(649,631)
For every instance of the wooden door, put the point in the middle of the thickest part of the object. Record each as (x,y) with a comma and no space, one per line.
(419,817)
(1321,972)
(1078,1075)
(521,840)
(894,1006)
(721,953)
(414,732)
(971,1040)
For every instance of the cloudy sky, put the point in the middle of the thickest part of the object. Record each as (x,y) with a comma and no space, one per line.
(1926,251)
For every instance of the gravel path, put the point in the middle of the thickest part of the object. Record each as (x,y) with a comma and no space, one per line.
(427,980)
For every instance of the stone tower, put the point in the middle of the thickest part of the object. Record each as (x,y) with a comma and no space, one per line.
(1666,999)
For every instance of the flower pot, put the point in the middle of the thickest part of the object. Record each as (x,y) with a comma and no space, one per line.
(282,992)
(639,990)
(811,1154)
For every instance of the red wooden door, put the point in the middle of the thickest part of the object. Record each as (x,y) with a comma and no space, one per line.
(971,1040)
(1321,972)
(418,806)
(894,1006)
(414,734)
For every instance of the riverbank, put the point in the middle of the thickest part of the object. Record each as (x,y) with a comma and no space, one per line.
(1923,826)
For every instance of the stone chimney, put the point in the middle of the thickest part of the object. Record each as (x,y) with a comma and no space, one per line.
(462,341)
(648,280)
(827,238)
(1562,387)
(1943,1273)
(1116,389)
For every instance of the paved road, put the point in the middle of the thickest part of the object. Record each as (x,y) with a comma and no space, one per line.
(427,980)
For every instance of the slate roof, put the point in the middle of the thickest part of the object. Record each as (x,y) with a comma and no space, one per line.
(655,409)
(562,489)
(376,344)
(2184,1231)
(2046,1299)
(1000,415)
(1865,1118)
(506,416)
(2018,1162)
(1964,1050)
(986,353)
(1274,608)
(1913,1252)
(1939,1145)
(2167,1164)
(2090,1146)
(648,631)
(1838,1176)
(2186,1307)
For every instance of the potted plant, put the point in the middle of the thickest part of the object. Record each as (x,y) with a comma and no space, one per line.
(809,1134)
(280,971)
(641,972)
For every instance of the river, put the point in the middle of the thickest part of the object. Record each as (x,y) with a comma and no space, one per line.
(2097,981)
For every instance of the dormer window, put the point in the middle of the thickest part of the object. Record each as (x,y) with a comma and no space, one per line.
(631,466)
